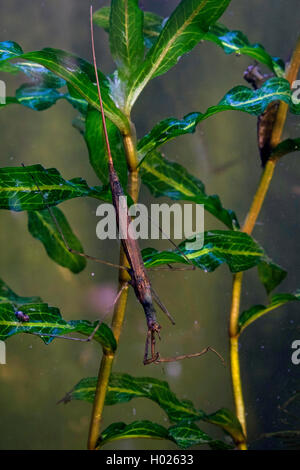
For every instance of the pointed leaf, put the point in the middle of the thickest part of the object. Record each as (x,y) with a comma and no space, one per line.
(43,228)
(46,320)
(236,41)
(39,98)
(8,295)
(226,420)
(240,98)
(75,71)
(187,25)
(19,191)
(237,249)
(9,50)
(166,178)
(137,429)
(153,24)
(126,36)
(249,316)
(123,388)
(270,274)
(97,148)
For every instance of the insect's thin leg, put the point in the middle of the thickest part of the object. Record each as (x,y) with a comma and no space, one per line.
(189,356)
(49,209)
(172,243)
(83,340)
(169,267)
(124,286)
(97,260)
(100,321)
(162,306)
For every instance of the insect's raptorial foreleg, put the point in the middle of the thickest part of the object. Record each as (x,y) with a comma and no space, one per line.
(154,356)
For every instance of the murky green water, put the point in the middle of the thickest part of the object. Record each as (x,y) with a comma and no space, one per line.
(36,376)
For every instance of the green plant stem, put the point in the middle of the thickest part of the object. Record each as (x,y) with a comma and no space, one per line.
(259,197)
(129,141)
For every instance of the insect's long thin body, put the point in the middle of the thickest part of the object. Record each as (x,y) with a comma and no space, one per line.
(139,278)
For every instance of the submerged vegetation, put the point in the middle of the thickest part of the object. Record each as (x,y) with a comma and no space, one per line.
(144,46)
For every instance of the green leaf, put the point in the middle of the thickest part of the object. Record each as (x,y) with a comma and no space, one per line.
(166,178)
(187,25)
(270,275)
(227,421)
(76,100)
(8,68)
(126,36)
(43,228)
(188,434)
(75,71)
(184,435)
(122,388)
(97,147)
(80,74)
(137,429)
(46,320)
(236,41)
(237,249)
(9,50)
(249,316)
(240,98)
(101,18)
(8,295)
(37,98)
(19,191)
(39,74)
(285,147)
(153,24)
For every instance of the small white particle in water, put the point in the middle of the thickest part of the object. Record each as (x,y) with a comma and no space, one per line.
(196,322)
(262,347)
(30,347)
(133,411)
(92,274)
